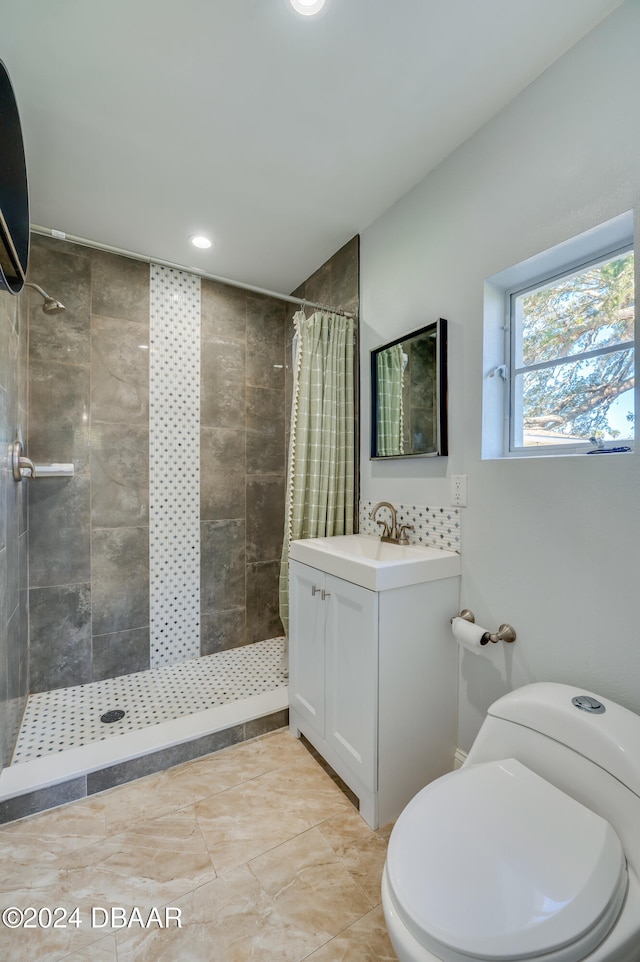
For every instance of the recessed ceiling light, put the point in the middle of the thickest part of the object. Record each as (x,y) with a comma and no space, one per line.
(198,240)
(307,7)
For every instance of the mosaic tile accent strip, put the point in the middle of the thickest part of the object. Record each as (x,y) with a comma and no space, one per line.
(174,466)
(69,717)
(434,527)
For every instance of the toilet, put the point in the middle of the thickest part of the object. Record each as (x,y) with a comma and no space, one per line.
(531,850)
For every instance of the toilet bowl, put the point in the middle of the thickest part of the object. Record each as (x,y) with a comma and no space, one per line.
(531,850)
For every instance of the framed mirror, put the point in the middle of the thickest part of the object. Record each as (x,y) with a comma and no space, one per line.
(409,395)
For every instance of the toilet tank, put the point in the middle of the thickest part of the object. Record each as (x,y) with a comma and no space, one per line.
(525,720)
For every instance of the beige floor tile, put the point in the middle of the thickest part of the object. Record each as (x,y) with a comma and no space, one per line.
(225,769)
(31,847)
(279,748)
(306,787)
(313,895)
(151,864)
(27,866)
(76,822)
(362,850)
(151,797)
(186,784)
(103,951)
(48,944)
(258,815)
(312,876)
(280,908)
(364,941)
(178,831)
(222,921)
(243,823)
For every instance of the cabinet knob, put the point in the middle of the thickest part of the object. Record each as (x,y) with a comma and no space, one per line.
(325,594)
(314,590)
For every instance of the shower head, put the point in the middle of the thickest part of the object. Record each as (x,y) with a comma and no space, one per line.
(51,305)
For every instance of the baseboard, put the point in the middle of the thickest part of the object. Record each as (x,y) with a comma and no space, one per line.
(459,758)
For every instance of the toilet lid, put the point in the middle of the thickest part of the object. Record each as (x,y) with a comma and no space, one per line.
(494,862)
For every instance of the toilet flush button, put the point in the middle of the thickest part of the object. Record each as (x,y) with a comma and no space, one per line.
(586,703)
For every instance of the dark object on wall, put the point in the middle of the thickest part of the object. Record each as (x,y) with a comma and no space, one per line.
(14,195)
(409,395)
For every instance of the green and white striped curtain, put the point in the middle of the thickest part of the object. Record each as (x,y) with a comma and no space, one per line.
(320,483)
(390,414)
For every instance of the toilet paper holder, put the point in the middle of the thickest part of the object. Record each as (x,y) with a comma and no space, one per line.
(504,633)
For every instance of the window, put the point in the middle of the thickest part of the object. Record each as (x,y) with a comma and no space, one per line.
(567,371)
(572,357)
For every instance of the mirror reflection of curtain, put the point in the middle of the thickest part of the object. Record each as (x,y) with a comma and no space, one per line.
(320,482)
(390,416)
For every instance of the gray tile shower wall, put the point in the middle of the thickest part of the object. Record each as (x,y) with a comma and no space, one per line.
(89,404)
(242,465)
(14,655)
(60,637)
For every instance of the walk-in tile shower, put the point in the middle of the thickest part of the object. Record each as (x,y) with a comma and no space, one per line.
(153,572)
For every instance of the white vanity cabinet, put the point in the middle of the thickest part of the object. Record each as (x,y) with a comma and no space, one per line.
(333,666)
(373,681)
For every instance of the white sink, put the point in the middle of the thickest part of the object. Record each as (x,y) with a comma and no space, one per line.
(373,564)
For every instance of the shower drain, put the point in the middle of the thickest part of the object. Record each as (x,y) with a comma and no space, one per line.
(112,716)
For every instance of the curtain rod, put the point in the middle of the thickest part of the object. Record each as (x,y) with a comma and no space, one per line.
(73,239)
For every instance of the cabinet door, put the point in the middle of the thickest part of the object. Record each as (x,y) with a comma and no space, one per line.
(306,643)
(351,699)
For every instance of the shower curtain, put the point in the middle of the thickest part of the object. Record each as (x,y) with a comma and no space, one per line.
(390,366)
(320,482)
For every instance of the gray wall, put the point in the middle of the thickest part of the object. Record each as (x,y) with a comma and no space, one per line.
(89,403)
(13,524)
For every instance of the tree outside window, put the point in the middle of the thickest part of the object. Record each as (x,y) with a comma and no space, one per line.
(573,358)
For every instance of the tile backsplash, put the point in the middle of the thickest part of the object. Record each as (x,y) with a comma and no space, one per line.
(433,526)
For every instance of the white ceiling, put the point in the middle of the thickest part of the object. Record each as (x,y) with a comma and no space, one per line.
(281,136)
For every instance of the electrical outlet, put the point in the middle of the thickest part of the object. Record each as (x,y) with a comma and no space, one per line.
(459,490)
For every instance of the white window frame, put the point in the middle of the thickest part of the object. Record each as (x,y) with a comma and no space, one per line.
(500,400)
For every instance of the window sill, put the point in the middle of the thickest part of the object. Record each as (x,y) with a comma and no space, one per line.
(554,455)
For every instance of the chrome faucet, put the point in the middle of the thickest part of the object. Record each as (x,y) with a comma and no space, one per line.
(390,532)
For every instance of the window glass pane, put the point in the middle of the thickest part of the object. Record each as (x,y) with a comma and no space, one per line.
(581,312)
(577,400)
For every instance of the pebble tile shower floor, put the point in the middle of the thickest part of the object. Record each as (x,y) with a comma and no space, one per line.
(70,717)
